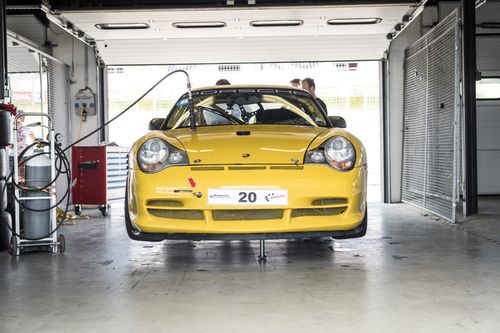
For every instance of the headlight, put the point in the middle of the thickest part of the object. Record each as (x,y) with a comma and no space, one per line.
(337,151)
(156,154)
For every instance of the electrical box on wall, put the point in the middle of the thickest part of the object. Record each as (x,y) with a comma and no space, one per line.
(85,102)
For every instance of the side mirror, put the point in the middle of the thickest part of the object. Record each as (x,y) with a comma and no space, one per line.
(337,121)
(155,124)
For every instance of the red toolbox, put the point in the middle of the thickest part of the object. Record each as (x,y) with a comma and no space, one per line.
(99,176)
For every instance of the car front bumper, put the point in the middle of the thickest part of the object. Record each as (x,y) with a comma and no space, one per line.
(173,202)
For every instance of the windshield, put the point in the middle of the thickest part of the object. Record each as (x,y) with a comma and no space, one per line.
(248,107)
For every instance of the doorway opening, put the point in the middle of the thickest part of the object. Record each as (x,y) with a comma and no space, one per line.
(350,90)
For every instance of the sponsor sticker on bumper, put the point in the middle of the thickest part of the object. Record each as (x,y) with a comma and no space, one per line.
(247,197)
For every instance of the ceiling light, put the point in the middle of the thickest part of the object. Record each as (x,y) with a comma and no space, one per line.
(190,25)
(121,26)
(276,23)
(490,25)
(351,21)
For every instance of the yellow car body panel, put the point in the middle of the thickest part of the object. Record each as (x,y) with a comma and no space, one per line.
(175,199)
(304,187)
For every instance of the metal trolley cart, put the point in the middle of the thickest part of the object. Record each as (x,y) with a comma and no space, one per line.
(38,204)
(99,176)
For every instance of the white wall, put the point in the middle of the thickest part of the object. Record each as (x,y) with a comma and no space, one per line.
(72,51)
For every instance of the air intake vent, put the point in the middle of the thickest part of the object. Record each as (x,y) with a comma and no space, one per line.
(329,201)
(247,214)
(177,214)
(207,168)
(247,168)
(164,203)
(287,167)
(318,211)
(229,68)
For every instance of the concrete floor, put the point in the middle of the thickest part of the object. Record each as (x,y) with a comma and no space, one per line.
(411,273)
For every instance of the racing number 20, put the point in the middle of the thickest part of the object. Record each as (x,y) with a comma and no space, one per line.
(247,197)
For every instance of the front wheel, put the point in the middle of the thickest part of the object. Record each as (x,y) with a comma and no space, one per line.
(358,232)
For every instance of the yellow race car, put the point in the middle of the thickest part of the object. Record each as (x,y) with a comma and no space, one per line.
(246,162)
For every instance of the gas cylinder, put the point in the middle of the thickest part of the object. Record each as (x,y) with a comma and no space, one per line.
(5,128)
(37,175)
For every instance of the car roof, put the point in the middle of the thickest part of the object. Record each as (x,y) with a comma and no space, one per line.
(248,86)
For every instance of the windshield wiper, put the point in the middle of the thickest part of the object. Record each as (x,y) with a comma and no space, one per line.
(223,114)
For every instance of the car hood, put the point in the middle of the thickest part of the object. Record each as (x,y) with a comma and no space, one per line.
(249,144)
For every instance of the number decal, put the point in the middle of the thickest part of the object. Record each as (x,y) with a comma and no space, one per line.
(247,197)
(252,197)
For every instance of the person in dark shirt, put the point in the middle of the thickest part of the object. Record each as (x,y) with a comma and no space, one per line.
(222,82)
(295,83)
(309,85)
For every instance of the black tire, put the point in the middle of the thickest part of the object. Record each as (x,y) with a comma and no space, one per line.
(78,210)
(360,230)
(104,209)
(61,243)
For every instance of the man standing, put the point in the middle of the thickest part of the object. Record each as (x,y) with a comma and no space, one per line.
(309,85)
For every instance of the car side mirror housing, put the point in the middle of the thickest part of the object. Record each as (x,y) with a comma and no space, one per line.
(337,121)
(155,124)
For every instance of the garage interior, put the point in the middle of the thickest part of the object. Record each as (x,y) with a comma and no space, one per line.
(430,259)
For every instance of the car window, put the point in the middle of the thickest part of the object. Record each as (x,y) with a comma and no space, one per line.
(248,107)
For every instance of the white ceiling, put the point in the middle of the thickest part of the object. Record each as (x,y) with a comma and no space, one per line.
(315,40)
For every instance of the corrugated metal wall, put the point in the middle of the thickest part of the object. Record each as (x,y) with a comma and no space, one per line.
(431,145)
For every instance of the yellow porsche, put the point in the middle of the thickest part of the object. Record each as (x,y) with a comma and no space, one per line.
(246,162)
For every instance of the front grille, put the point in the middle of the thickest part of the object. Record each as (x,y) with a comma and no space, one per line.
(247,214)
(177,214)
(286,167)
(207,168)
(247,168)
(164,203)
(318,211)
(329,201)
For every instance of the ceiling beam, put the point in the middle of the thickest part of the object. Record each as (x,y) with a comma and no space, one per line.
(65,5)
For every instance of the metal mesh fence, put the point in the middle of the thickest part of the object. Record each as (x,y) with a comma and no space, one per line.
(431,121)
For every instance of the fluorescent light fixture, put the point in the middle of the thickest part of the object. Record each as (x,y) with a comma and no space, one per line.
(490,25)
(191,25)
(354,21)
(121,26)
(276,23)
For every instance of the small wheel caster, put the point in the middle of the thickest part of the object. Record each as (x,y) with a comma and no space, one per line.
(61,243)
(104,209)
(13,247)
(78,210)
